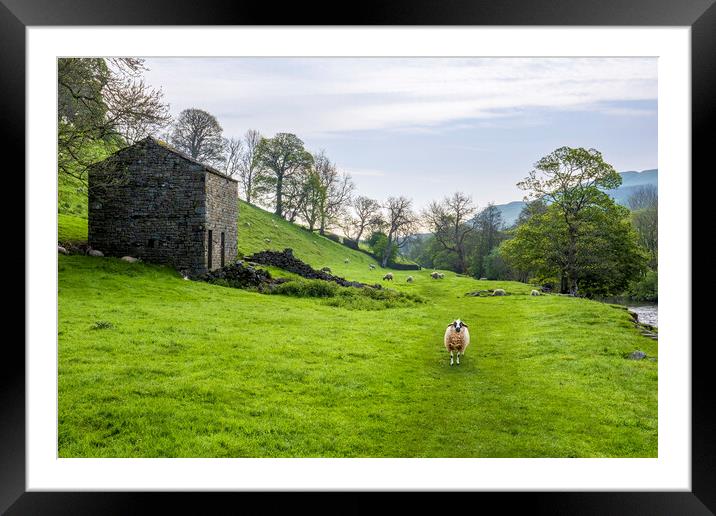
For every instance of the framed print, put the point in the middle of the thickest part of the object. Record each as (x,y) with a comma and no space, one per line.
(411,250)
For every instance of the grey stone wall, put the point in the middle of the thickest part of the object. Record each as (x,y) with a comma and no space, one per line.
(221,217)
(150,202)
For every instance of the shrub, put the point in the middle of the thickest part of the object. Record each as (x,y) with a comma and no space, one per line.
(334,237)
(351,243)
(307,288)
(645,289)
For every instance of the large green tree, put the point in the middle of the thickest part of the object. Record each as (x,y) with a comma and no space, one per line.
(571,180)
(281,159)
(605,258)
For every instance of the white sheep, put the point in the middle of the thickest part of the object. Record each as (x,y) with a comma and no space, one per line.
(457,338)
(435,275)
(535,293)
(130,259)
(499,292)
(388,277)
(372,266)
(409,279)
(441,275)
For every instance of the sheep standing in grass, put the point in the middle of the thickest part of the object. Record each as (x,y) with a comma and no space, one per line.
(441,275)
(535,293)
(388,277)
(409,279)
(457,338)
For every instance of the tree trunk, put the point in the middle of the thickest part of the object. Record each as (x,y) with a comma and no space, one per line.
(322,229)
(279,187)
(386,254)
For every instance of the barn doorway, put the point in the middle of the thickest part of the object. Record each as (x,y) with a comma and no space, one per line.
(210,249)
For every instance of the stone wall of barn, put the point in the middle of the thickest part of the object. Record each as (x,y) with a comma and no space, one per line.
(150,203)
(221,220)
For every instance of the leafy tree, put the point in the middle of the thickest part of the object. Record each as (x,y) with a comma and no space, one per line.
(450,221)
(199,135)
(606,258)
(102,105)
(281,159)
(378,242)
(571,180)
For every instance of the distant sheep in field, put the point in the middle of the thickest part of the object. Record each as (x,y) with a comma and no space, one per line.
(457,338)
(388,277)
(409,279)
(499,292)
(346,260)
(435,275)
(441,275)
(371,266)
(535,293)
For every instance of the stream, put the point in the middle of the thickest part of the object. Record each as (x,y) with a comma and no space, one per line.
(647,313)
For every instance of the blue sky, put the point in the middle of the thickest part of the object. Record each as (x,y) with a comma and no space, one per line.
(426,128)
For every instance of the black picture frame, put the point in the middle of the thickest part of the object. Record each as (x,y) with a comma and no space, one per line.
(700,15)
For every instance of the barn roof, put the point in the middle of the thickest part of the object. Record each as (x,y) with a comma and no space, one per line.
(166,146)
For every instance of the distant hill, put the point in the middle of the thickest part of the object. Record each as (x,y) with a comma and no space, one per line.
(631,181)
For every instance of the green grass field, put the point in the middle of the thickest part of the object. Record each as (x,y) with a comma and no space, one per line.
(151,365)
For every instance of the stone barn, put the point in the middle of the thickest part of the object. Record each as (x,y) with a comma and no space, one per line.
(152,202)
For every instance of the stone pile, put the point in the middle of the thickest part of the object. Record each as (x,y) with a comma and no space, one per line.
(240,275)
(287,261)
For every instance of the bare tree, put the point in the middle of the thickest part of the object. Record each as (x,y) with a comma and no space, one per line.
(450,221)
(198,134)
(249,171)
(400,223)
(234,151)
(644,203)
(366,214)
(102,103)
(335,190)
(646,196)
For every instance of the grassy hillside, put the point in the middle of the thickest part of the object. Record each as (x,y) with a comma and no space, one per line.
(151,365)
(257,225)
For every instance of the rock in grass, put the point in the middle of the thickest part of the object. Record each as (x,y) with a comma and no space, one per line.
(499,292)
(637,355)
(62,250)
(130,259)
(95,252)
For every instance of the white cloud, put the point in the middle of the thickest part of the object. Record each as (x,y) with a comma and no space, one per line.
(322,96)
